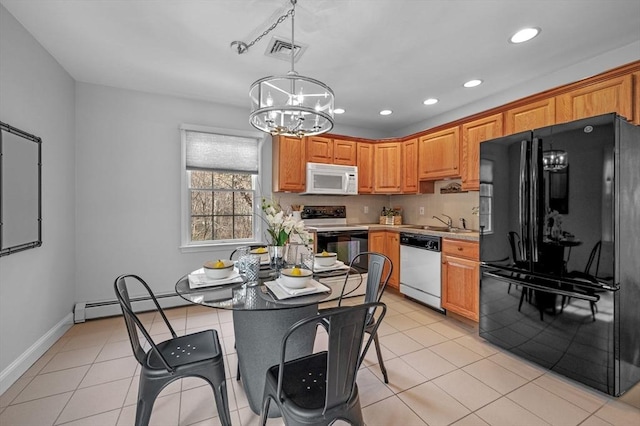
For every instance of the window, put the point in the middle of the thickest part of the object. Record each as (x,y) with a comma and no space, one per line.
(220,178)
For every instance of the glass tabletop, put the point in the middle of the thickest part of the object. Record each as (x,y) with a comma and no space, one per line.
(240,296)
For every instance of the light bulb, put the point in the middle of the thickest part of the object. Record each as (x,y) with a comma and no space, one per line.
(269,100)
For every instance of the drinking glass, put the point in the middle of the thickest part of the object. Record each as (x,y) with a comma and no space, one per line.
(241,252)
(251,264)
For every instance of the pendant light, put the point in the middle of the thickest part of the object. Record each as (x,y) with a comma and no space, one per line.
(291,104)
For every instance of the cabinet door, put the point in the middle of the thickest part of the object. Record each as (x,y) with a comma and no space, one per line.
(460,286)
(530,116)
(409,166)
(365,167)
(636,98)
(614,95)
(289,165)
(319,150)
(376,241)
(387,174)
(473,133)
(439,154)
(392,250)
(344,152)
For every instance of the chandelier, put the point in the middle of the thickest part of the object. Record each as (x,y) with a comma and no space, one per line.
(291,104)
(555,160)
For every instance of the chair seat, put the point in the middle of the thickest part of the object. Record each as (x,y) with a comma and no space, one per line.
(308,389)
(186,350)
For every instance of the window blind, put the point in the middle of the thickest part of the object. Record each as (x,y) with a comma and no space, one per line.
(222,153)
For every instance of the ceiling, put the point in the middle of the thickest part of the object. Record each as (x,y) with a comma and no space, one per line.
(374,54)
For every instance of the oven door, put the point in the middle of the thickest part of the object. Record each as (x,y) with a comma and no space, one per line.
(347,244)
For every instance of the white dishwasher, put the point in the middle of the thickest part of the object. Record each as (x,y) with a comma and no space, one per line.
(420,268)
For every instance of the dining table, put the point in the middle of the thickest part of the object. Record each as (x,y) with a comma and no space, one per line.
(261,318)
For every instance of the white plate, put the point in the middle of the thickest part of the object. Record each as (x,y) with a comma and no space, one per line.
(338,265)
(282,292)
(199,279)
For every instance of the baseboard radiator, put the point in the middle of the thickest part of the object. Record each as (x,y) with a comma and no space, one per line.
(83,311)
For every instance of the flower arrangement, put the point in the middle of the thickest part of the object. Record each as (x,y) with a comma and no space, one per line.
(281,225)
(553,224)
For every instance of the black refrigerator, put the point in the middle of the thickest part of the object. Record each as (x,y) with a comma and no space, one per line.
(560,249)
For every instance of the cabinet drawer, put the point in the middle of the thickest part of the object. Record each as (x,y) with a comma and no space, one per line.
(460,248)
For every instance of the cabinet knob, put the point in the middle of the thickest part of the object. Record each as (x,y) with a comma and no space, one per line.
(460,249)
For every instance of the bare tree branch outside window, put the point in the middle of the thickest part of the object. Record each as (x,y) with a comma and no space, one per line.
(221,205)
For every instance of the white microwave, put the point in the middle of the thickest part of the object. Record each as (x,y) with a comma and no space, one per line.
(331,179)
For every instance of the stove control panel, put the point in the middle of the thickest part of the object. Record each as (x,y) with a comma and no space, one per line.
(324,212)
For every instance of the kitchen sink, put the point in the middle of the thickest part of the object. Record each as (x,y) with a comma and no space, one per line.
(442,229)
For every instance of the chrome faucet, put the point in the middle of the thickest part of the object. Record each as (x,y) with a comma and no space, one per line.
(449,222)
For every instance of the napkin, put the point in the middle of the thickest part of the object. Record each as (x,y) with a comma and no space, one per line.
(310,288)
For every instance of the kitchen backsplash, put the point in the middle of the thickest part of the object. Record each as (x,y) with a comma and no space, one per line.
(457,206)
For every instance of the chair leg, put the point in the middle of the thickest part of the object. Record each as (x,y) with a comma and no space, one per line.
(380,361)
(265,410)
(238,372)
(593,309)
(509,289)
(147,393)
(222,402)
(524,291)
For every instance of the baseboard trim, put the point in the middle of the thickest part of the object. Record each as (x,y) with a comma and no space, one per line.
(20,365)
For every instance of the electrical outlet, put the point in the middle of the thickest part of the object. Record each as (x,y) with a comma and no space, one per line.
(421,211)
(366,209)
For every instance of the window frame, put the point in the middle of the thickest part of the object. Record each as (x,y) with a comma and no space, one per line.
(186,244)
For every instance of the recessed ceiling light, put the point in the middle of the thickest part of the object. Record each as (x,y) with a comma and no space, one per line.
(472,83)
(524,34)
(338,111)
(430,101)
(386,112)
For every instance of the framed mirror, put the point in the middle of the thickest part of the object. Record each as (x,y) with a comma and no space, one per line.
(20,190)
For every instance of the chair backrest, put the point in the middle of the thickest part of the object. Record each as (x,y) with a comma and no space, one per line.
(133,323)
(346,332)
(595,254)
(516,246)
(377,276)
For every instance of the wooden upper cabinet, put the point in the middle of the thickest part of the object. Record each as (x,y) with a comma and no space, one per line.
(409,150)
(365,167)
(439,154)
(613,95)
(636,98)
(319,150)
(473,133)
(530,116)
(345,152)
(331,151)
(388,167)
(289,166)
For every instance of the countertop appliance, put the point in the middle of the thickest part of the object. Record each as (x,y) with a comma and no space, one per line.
(331,179)
(420,268)
(567,295)
(333,234)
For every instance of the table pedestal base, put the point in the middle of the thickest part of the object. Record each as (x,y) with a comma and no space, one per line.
(258,342)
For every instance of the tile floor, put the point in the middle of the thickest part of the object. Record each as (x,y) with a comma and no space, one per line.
(440,373)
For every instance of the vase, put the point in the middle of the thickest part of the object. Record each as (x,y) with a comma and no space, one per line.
(276,254)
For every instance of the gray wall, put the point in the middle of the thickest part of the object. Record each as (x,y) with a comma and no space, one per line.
(37,286)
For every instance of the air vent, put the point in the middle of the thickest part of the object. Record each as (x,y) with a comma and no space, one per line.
(280,48)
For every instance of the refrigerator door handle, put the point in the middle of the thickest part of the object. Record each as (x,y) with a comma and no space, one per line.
(534,199)
(523,200)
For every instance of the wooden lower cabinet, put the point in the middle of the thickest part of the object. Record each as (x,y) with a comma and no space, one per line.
(461,278)
(388,243)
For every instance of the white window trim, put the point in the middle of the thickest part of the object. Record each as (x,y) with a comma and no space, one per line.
(185,212)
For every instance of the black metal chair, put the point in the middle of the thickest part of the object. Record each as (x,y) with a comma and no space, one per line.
(587,277)
(321,388)
(193,355)
(377,279)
